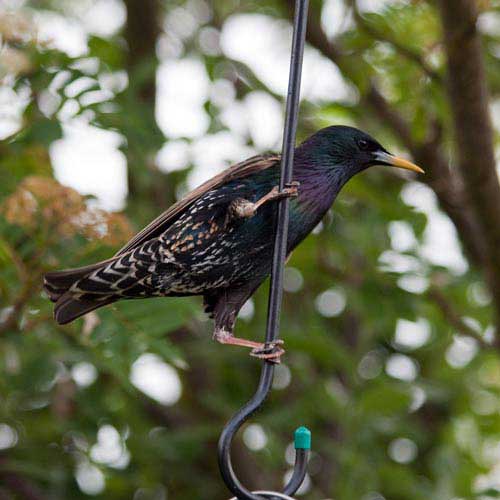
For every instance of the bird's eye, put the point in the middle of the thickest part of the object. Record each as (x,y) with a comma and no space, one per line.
(364,145)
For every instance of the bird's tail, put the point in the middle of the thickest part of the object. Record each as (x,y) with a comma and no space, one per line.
(61,287)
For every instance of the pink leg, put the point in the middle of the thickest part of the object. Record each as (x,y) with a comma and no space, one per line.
(270,352)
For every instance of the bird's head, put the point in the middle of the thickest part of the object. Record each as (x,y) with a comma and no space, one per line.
(349,151)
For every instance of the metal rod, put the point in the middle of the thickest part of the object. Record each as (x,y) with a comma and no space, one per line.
(292,112)
(276,286)
(299,472)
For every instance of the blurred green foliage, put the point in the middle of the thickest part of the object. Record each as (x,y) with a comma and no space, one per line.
(391,418)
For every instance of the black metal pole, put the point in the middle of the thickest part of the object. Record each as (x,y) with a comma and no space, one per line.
(291,116)
(276,286)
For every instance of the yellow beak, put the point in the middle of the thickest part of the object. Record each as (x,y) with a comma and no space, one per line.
(397,162)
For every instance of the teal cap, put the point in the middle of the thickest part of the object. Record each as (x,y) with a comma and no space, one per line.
(302,439)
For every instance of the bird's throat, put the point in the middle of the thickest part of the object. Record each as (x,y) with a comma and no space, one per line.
(317,190)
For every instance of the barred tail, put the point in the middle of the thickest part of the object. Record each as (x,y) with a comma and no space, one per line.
(70,306)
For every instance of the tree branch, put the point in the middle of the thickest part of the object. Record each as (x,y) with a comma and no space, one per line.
(453,317)
(404,51)
(141,32)
(446,182)
(469,98)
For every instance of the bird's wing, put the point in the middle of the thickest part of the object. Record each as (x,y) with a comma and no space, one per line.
(163,221)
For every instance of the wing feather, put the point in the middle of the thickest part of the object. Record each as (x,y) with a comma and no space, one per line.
(158,225)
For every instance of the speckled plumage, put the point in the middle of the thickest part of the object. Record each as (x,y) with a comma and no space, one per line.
(204,245)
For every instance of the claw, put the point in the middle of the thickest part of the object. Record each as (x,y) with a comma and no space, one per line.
(291,189)
(270,351)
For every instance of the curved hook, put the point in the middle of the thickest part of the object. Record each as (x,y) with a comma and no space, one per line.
(276,287)
(273,495)
(302,443)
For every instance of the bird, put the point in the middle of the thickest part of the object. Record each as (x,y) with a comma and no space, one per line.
(217,241)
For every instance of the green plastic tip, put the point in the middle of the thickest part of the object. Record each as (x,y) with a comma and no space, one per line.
(302,439)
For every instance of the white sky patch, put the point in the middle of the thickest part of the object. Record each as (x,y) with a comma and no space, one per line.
(290,454)
(461,351)
(62,33)
(282,377)
(84,373)
(89,478)
(413,283)
(491,480)
(110,448)
(479,294)
(395,262)
(440,241)
(403,450)
(331,302)
(174,155)
(68,110)
(247,311)
(412,334)
(182,89)
(441,246)
(48,102)
(402,367)
(489,23)
(151,375)
(402,236)
(213,153)
(222,92)
(418,398)
(419,196)
(8,437)
(69,32)
(255,437)
(104,17)
(87,159)
(336,18)
(268,55)
(181,22)
(370,365)
(234,116)
(495,113)
(373,5)
(265,120)
(12,106)
(113,81)
(76,87)
(293,280)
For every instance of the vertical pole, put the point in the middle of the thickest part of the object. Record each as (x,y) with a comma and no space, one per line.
(291,116)
(276,287)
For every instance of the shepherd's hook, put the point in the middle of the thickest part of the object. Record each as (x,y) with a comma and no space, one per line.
(302,435)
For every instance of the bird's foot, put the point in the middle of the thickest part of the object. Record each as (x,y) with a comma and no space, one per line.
(243,208)
(240,208)
(291,189)
(225,337)
(222,336)
(270,351)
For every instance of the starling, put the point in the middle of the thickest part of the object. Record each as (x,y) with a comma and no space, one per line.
(217,242)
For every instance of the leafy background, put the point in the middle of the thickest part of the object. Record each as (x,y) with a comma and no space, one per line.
(391,306)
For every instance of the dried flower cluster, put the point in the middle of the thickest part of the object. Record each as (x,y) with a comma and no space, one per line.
(41,203)
(15,28)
